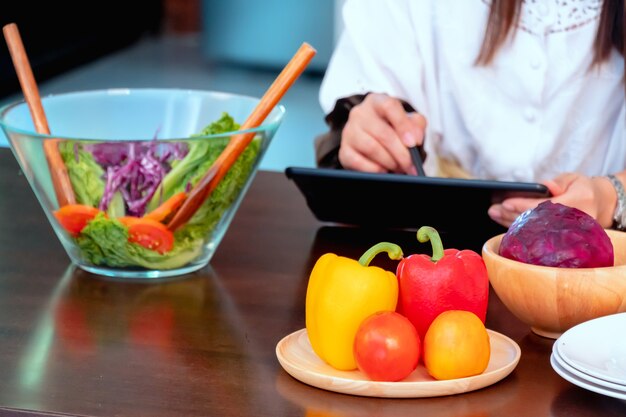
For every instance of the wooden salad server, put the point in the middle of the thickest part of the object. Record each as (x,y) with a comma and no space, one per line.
(200,192)
(58,172)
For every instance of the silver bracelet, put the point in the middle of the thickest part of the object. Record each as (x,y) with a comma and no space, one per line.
(619,218)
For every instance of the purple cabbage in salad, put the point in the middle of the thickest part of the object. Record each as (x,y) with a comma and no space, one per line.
(135,169)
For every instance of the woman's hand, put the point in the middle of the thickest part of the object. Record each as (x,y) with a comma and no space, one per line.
(593,195)
(377,136)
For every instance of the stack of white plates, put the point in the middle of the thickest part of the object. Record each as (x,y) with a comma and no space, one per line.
(592,355)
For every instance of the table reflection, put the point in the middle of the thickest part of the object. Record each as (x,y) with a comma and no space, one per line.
(586,403)
(92,324)
(318,402)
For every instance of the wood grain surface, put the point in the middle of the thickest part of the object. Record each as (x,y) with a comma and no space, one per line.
(204,345)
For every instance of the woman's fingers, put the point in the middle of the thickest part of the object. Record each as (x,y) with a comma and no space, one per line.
(407,130)
(506,212)
(379,130)
(352,159)
(408,127)
(499,215)
(554,187)
(568,188)
(360,142)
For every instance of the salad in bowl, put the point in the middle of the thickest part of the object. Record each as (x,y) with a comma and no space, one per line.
(130,159)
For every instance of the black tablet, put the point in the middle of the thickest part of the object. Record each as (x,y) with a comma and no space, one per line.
(404,201)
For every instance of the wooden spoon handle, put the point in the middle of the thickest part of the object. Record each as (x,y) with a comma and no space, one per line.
(58,172)
(238,142)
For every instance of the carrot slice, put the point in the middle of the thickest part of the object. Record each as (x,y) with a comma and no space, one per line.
(166,208)
(127,220)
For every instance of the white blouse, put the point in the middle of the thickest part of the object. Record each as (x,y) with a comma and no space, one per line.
(538,110)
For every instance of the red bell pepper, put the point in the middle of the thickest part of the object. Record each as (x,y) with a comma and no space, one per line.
(449,280)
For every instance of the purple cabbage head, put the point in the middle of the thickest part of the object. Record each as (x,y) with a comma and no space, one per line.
(557,235)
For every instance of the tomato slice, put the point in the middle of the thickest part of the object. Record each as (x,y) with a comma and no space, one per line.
(150,234)
(74,217)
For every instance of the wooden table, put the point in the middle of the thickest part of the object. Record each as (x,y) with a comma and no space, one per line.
(204,345)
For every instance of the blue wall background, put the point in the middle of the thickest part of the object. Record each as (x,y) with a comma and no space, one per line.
(267,33)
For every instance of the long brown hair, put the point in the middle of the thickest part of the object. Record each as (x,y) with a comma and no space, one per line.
(504,15)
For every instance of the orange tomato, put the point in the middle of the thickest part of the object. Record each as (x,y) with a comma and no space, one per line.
(456,345)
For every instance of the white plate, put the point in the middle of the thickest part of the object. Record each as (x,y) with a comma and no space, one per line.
(585,383)
(597,348)
(567,367)
(296,356)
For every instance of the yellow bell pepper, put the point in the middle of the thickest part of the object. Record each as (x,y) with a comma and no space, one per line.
(341,293)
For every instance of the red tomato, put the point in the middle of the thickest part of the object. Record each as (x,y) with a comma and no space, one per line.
(387,346)
(150,234)
(74,217)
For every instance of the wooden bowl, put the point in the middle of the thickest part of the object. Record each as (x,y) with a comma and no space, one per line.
(552,300)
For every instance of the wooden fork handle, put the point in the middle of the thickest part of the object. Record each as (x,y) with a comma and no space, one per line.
(58,172)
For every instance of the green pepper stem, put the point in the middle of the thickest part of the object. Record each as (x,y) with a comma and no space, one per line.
(394,251)
(426,233)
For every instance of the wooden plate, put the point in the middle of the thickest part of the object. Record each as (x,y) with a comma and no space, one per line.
(296,356)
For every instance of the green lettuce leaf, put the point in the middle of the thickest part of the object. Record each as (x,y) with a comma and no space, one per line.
(85,174)
(104,241)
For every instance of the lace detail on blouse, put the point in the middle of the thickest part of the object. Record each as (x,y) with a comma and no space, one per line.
(542,17)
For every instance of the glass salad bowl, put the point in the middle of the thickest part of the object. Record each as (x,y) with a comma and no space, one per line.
(130,158)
